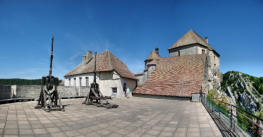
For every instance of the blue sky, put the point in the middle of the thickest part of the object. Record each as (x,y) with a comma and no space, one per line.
(129,29)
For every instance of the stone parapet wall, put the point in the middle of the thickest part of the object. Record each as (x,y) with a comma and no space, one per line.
(27,91)
(5,92)
(73,91)
(33,91)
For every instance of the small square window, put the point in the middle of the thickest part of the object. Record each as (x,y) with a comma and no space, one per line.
(114,90)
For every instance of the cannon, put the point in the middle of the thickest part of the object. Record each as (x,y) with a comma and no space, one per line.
(95,97)
(49,97)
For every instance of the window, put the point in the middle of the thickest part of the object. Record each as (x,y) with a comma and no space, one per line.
(69,83)
(214,57)
(80,82)
(203,51)
(87,81)
(75,82)
(114,91)
(178,53)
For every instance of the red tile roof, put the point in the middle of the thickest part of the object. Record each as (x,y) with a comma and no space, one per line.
(175,76)
(105,61)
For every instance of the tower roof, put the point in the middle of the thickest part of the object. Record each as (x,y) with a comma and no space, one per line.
(191,37)
(153,55)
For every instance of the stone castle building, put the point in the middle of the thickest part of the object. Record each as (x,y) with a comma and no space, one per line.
(113,76)
(191,68)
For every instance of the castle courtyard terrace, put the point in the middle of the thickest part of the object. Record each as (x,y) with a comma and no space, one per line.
(135,117)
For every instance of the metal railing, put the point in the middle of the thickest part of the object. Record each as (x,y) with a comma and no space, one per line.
(234,120)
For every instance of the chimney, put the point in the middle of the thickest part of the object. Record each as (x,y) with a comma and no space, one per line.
(83,59)
(86,58)
(88,55)
(157,51)
(206,39)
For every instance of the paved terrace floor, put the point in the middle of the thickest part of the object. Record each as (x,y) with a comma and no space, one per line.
(135,117)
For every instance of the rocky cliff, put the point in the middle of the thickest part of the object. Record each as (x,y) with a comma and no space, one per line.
(244,90)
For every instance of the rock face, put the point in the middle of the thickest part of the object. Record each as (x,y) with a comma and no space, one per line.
(240,90)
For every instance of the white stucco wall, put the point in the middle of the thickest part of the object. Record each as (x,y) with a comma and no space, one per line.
(69,81)
(130,83)
(106,81)
(109,80)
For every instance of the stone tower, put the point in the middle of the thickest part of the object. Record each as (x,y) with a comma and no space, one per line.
(192,43)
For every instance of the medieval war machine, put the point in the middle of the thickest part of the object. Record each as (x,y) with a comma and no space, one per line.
(95,97)
(49,97)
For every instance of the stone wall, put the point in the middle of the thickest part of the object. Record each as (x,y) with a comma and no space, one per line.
(73,91)
(5,92)
(33,91)
(27,91)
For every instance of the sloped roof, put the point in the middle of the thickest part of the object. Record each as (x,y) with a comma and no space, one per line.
(175,76)
(191,37)
(153,55)
(105,61)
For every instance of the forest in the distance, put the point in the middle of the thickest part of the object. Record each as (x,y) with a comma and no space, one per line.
(17,81)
